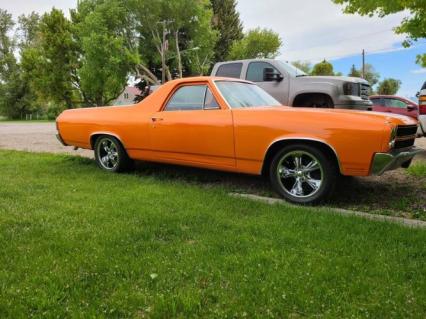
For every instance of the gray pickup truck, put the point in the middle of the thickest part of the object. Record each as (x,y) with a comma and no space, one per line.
(293,87)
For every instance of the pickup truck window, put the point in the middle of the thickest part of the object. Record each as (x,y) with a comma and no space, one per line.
(256,71)
(230,70)
(239,94)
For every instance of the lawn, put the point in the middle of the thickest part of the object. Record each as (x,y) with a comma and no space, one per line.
(79,242)
(418,169)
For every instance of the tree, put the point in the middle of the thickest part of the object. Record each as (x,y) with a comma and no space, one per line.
(305,66)
(53,60)
(13,90)
(104,30)
(179,31)
(389,86)
(370,74)
(323,68)
(354,72)
(257,43)
(414,26)
(226,20)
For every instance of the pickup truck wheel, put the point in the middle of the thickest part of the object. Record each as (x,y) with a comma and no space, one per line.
(303,174)
(319,102)
(110,154)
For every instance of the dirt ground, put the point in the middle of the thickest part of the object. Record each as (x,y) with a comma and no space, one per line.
(395,193)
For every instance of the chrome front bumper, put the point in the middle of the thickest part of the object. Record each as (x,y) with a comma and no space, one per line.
(383,162)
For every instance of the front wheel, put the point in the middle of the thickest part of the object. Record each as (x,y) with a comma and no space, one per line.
(303,174)
(110,154)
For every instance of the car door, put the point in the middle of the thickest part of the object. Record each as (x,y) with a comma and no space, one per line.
(379,105)
(278,88)
(193,128)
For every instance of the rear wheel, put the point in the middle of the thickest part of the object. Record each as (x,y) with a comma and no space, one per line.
(110,154)
(303,174)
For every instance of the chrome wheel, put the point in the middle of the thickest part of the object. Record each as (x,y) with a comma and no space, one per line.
(108,154)
(300,174)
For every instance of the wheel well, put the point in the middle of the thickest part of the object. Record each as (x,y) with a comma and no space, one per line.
(277,146)
(302,99)
(94,138)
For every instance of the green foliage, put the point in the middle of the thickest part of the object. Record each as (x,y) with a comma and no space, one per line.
(323,68)
(418,169)
(52,60)
(413,26)
(389,86)
(370,75)
(305,66)
(15,96)
(226,20)
(257,43)
(189,20)
(354,72)
(109,55)
(82,243)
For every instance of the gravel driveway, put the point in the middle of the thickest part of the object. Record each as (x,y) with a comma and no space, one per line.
(34,137)
(40,137)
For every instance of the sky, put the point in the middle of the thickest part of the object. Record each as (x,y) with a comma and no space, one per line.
(312,30)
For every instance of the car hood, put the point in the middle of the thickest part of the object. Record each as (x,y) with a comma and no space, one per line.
(339,115)
(330,79)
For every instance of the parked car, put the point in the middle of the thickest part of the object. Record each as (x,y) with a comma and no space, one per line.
(293,87)
(397,105)
(233,125)
(422,108)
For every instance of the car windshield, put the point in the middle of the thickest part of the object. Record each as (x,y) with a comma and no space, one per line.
(291,69)
(240,94)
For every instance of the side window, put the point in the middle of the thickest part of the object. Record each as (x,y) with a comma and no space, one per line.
(187,98)
(377,101)
(230,70)
(210,102)
(256,71)
(395,103)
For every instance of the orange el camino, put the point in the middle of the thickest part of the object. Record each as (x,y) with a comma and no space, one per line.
(233,125)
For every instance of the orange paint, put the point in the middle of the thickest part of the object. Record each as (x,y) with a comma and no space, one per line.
(229,139)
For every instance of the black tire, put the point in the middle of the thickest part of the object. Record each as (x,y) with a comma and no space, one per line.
(297,185)
(110,154)
(321,101)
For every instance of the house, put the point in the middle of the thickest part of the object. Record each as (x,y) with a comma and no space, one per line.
(127,96)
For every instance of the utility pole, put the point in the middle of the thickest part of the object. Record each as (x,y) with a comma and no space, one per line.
(363,64)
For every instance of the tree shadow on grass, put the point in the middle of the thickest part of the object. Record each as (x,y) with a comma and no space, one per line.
(395,193)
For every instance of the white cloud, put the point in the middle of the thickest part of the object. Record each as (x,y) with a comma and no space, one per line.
(317,29)
(419,71)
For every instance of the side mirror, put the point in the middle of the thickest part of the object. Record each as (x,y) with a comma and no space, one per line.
(270,74)
(417,94)
(411,107)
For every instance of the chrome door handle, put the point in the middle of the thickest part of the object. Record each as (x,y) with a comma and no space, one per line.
(156,119)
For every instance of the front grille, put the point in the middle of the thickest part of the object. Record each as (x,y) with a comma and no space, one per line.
(404,143)
(406,130)
(365,91)
(405,136)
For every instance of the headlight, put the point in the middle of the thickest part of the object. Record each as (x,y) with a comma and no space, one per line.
(392,137)
(350,88)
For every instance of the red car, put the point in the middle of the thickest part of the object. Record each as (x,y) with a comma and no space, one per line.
(396,105)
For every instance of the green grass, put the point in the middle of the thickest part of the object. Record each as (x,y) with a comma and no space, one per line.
(418,169)
(78,242)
